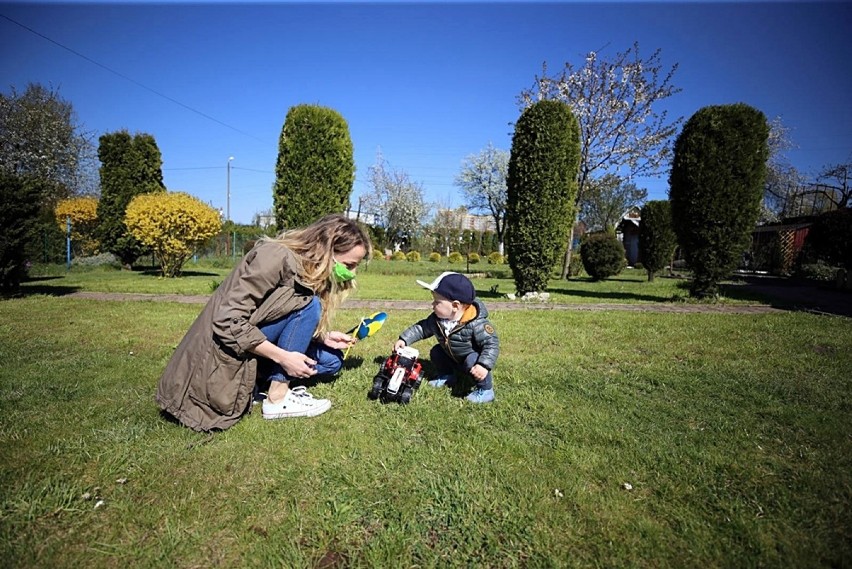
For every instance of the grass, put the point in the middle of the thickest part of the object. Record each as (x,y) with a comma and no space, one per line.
(732,431)
(387,280)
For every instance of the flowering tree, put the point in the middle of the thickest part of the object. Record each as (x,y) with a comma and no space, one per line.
(397,202)
(172,225)
(615,102)
(483,181)
(40,138)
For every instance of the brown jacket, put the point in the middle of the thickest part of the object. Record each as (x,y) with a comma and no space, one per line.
(208,382)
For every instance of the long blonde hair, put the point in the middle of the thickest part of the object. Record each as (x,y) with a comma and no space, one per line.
(315,247)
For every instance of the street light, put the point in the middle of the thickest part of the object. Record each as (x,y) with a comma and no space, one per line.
(228,214)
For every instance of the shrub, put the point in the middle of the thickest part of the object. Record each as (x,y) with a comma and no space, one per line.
(495,258)
(819,271)
(455,257)
(83,213)
(830,239)
(172,225)
(602,254)
(413,256)
(19,206)
(99,260)
(657,239)
(473,258)
(397,256)
(434,257)
(541,191)
(576,264)
(716,186)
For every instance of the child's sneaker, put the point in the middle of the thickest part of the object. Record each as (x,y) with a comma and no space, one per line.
(297,403)
(480,395)
(443,381)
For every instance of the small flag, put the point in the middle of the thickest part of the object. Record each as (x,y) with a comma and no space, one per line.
(367,327)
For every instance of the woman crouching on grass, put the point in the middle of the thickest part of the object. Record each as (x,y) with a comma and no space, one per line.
(275,306)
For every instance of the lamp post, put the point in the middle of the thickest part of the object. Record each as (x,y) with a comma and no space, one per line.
(228,202)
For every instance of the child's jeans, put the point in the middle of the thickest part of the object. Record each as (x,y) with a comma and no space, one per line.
(294,333)
(445,365)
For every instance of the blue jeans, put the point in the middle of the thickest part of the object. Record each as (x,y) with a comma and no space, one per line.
(445,365)
(294,333)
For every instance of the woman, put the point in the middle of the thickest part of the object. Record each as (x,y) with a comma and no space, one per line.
(275,305)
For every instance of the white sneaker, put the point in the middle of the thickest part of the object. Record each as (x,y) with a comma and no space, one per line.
(297,403)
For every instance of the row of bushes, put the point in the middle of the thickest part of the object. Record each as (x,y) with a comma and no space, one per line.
(494,258)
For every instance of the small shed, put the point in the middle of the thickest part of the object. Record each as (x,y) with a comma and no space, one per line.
(627,231)
(783,241)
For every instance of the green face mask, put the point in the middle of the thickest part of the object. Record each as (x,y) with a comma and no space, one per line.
(341,273)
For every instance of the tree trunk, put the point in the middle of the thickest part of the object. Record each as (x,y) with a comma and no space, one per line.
(566,262)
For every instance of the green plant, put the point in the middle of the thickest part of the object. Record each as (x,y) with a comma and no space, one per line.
(576,265)
(830,239)
(495,258)
(315,169)
(819,271)
(473,258)
(131,165)
(455,257)
(99,260)
(716,186)
(602,254)
(434,257)
(413,256)
(398,256)
(657,239)
(542,189)
(19,207)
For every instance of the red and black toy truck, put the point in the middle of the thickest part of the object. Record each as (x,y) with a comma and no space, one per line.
(398,378)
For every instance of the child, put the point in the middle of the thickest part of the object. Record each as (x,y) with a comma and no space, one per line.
(467,341)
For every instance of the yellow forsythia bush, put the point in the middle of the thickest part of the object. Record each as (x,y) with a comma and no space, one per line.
(173,224)
(84,220)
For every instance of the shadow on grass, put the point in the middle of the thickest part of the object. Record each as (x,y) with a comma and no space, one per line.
(603,295)
(158,274)
(43,287)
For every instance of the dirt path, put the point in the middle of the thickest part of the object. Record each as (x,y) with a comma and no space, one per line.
(783,295)
(493,306)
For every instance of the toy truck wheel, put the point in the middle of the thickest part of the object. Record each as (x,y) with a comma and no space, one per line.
(376,390)
(405,397)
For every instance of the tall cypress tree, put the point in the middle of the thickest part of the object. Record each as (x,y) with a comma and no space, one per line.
(657,239)
(130,166)
(716,185)
(542,189)
(315,170)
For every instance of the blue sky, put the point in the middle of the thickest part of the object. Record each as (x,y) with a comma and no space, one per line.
(426,84)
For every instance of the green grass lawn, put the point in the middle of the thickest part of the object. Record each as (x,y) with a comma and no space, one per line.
(732,432)
(388,280)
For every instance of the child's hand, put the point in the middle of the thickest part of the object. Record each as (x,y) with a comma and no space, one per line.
(478,372)
(398,345)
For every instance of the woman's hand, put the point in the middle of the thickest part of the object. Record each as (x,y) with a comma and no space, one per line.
(398,345)
(297,364)
(338,340)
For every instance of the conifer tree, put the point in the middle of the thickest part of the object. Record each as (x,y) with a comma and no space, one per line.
(315,170)
(542,187)
(715,188)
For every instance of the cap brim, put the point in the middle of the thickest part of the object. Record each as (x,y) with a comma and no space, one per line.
(434,284)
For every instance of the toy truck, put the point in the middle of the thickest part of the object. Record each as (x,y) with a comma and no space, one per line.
(398,378)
